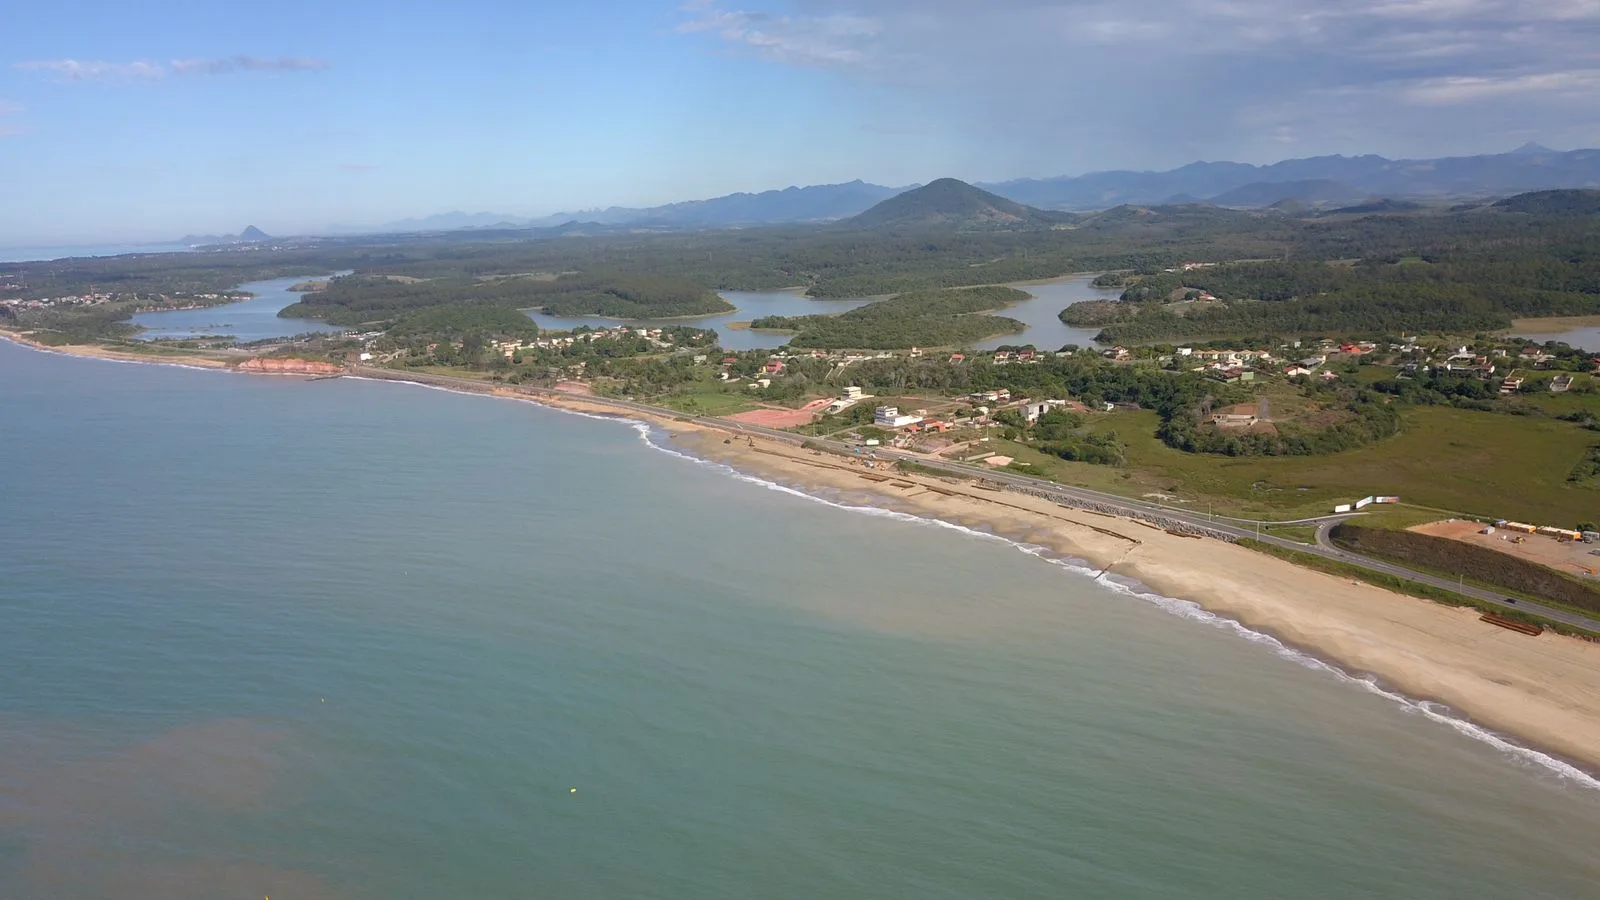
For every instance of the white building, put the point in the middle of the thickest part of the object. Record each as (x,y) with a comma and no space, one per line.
(889,417)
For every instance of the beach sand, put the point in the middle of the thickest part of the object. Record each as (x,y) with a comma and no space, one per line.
(94,352)
(1544,691)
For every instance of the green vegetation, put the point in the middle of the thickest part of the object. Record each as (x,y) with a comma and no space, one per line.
(916,319)
(458,320)
(359,299)
(1480,564)
(1464,281)
(1450,459)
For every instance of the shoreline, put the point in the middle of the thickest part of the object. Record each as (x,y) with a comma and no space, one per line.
(1534,697)
(1550,325)
(1543,693)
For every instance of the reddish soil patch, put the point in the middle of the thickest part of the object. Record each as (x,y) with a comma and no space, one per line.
(775,418)
(575,387)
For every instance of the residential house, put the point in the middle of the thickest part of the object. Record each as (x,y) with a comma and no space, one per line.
(1242,415)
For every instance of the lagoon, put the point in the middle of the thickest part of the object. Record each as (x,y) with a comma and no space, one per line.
(1040,314)
(255,319)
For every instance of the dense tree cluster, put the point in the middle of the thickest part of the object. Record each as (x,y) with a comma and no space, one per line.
(361,299)
(915,319)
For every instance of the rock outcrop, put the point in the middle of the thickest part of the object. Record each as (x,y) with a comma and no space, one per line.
(265,366)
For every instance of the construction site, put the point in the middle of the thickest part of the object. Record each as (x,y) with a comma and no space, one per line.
(1557,548)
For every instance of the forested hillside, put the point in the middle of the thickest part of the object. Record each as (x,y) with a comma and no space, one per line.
(360,299)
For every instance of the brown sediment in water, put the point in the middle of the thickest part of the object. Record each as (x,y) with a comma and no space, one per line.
(96,816)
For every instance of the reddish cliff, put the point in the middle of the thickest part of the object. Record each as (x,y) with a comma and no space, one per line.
(263,366)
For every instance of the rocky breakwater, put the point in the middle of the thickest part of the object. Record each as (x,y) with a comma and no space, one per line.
(289,366)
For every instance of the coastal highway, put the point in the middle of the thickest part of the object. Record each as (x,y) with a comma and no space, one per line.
(1239,528)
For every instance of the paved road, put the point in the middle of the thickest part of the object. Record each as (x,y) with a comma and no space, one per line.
(1239,528)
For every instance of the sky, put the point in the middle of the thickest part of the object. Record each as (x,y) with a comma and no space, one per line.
(144,121)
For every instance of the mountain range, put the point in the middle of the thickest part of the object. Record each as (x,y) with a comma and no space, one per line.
(1313,182)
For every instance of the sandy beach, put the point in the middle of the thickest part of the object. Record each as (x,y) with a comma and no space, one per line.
(94,352)
(1544,692)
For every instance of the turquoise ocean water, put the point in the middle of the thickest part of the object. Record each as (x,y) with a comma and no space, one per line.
(344,639)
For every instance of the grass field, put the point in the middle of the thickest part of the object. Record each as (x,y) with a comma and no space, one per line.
(708,400)
(1454,461)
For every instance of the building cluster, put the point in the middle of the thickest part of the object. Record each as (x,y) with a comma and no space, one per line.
(510,347)
(1560,534)
(100,298)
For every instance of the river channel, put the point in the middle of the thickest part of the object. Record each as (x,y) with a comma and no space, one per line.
(257,319)
(1039,313)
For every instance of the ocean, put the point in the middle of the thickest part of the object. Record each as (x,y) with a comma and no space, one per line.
(349,639)
(53,251)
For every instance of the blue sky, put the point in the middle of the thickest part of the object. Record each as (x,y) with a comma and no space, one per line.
(132,121)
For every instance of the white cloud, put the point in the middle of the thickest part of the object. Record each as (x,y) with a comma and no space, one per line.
(72,70)
(233,64)
(1461,89)
(1131,82)
(829,40)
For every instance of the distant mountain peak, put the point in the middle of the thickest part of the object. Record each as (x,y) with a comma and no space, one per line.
(250,234)
(1532,148)
(951,203)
